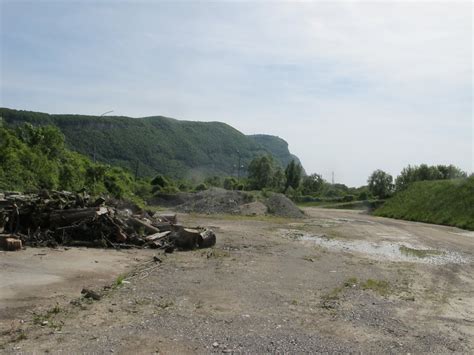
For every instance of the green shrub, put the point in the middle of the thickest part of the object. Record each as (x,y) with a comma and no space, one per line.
(160,181)
(201,187)
(230,183)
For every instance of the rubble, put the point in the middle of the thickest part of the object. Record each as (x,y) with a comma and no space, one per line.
(52,218)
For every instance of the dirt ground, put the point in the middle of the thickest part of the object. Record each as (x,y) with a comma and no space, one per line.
(336,281)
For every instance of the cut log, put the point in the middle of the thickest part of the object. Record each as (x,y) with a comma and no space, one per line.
(185,238)
(135,222)
(157,236)
(11,244)
(207,239)
(163,227)
(60,218)
(167,217)
(120,236)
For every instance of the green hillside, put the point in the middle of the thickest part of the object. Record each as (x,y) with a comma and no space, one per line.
(34,158)
(158,144)
(449,202)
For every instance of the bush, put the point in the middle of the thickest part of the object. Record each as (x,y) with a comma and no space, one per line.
(33,158)
(160,180)
(201,187)
(230,183)
(348,198)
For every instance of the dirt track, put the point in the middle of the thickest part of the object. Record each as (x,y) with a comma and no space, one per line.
(336,281)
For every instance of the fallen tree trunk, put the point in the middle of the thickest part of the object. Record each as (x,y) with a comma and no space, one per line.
(61,218)
(135,222)
(157,236)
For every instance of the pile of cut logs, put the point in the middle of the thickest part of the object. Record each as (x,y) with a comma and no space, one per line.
(52,218)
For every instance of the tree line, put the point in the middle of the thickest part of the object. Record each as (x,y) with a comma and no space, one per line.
(33,158)
(382,184)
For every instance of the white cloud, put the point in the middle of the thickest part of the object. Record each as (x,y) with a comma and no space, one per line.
(337,80)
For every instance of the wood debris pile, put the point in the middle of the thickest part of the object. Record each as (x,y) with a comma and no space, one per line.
(53,218)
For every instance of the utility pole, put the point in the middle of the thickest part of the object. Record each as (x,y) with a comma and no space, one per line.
(333,177)
(136,169)
(95,148)
(238,167)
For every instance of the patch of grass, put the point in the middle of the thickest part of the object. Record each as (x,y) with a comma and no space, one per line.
(46,319)
(379,286)
(333,295)
(119,280)
(142,301)
(419,253)
(21,336)
(236,217)
(350,282)
(448,202)
(216,253)
(367,205)
(408,298)
(164,304)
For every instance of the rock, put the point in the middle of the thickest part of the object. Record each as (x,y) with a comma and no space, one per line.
(91,294)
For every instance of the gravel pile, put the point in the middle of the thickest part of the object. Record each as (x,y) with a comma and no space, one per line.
(280,205)
(220,201)
(215,201)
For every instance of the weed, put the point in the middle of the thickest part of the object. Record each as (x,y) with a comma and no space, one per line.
(350,282)
(165,304)
(419,253)
(379,286)
(45,319)
(216,254)
(119,280)
(142,301)
(408,298)
(333,295)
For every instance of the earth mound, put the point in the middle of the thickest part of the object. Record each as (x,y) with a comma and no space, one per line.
(280,205)
(221,201)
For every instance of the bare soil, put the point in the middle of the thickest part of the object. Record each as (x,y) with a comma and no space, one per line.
(336,281)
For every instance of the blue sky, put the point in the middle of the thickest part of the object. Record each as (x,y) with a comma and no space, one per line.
(352,86)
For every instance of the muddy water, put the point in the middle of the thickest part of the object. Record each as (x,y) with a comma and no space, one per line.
(382,250)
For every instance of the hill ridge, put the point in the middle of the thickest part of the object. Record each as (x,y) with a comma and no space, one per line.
(158,144)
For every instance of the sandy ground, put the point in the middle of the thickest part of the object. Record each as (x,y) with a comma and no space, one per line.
(46,277)
(337,281)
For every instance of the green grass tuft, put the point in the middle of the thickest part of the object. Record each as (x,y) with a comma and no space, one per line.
(419,253)
(119,280)
(379,286)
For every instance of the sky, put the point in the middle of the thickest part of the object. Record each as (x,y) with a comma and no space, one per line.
(352,86)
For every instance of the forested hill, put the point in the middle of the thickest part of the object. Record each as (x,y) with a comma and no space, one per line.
(158,144)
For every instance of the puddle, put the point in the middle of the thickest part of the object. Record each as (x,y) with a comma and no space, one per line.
(382,250)
(464,234)
(333,222)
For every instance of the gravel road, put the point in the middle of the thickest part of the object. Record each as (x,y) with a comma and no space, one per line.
(336,281)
